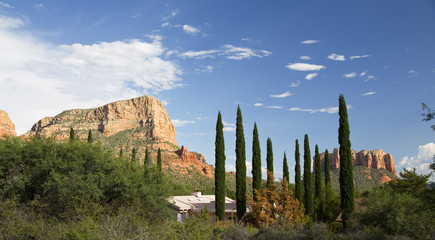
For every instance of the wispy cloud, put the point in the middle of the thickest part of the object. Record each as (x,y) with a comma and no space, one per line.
(363,73)
(336,57)
(305,57)
(371,77)
(356,57)
(258,104)
(10,23)
(181,123)
(322,110)
(164,25)
(309,41)
(3,4)
(38,6)
(274,107)
(229,127)
(282,95)
(295,84)
(188,29)
(199,54)
(305,67)
(350,75)
(421,161)
(239,53)
(171,15)
(368,93)
(310,76)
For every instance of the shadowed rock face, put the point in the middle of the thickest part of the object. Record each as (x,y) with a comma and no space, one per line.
(372,159)
(7,127)
(141,123)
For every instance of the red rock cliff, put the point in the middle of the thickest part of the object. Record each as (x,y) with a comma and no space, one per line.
(372,159)
(7,127)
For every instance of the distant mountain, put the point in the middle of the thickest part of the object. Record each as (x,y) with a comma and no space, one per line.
(7,127)
(138,123)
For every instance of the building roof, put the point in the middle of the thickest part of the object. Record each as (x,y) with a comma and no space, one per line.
(198,203)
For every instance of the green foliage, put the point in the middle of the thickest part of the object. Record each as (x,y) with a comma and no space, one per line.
(240,166)
(90,140)
(72,136)
(298,183)
(308,186)
(429,115)
(318,193)
(346,168)
(411,182)
(286,174)
(220,170)
(256,161)
(269,160)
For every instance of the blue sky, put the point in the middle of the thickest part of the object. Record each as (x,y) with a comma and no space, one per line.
(284,62)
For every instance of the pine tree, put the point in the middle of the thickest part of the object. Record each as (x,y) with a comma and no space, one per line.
(219,170)
(159,162)
(269,160)
(346,168)
(286,174)
(318,196)
(72,136)
(146,163)
(90,140)
(256,162)
(308,186)
(240,166)
(298,183)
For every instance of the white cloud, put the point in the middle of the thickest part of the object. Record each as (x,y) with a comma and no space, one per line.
(190,29)
(368,93)
(336,57)
(239,53)
(165,24)
(356,57)
(229,127)
(295,84)
(350,75)
(323,110)
(309,41)
(258,104)
(305,57)
(198,54)
(181,123)
(10,23)
(282,95)
(371,77)
(421,161)
(38,5)
(305,67)
(363,73)
(41,79)
(208,68)
(3,4)
(171,15)
(274,107)
(310,76)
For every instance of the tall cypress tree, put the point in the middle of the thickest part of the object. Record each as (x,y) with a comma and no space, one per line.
(133,156)
(308,186)
(286,174)
(219,179)
(269,160)
(159,162)
(72,136)
(318,196)
(240,166)
(146,163)
(346,168)
(121,153)
(90,140)
(256,162)
(328,187)
(298,183)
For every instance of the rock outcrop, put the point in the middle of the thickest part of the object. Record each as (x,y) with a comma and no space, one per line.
(140,123)
(7,127)
(375,159)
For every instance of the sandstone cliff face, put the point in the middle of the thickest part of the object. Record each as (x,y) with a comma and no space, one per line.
(141,123)
(372,159)
(7,127)
(144,112)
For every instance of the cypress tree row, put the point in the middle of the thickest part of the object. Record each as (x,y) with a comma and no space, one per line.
(269,160)
(90,140)
(256,162)
(318,196)
(240,167)
(298,183)
(346,168)
(308,186)
(219,179)
(71,135)
(285,174)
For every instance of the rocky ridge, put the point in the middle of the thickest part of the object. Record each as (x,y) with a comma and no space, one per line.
(375,159)
(7,127)
(141,123)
